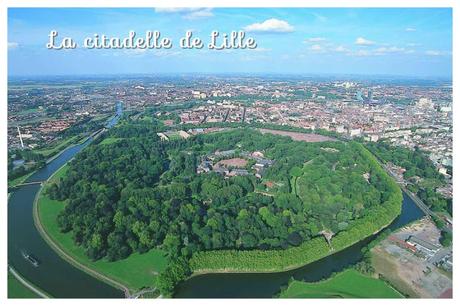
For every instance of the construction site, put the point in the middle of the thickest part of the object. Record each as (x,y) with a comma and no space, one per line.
(414,261)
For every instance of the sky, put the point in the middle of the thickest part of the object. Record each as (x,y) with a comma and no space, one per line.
(396,41)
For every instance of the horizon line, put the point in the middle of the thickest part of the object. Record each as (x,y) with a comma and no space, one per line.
(146,74)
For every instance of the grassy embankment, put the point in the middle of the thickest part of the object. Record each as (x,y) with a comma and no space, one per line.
(16,290)
(135,272)
(59,146)
(19,180)
(347,284)
(375,220)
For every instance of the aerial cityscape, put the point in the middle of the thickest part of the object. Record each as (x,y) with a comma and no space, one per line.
(314,170)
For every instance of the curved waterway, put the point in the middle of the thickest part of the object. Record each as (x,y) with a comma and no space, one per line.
(53,275)
(265,285)
(59,278)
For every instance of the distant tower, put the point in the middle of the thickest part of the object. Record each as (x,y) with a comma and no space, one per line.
(369,95)
(20,137)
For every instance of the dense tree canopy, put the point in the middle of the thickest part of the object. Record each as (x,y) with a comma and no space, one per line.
(139,193)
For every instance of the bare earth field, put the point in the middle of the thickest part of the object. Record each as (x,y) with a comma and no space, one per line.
(299,136)
(407,270)
(233,162)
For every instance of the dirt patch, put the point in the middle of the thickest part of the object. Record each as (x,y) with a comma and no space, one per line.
(299,136)
(406,268)
(387,267)
(233,162)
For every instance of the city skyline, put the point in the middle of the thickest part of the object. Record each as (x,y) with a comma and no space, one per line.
(400,42)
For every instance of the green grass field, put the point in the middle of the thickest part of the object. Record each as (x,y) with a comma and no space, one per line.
(59,146)
(19,180)
(136,271)
(347,284)
(30,111)
(16,290)
(57,175)
(109,140)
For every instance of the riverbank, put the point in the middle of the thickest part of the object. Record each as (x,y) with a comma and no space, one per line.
(130,274)
(19,180)
(19,288)
(68,144)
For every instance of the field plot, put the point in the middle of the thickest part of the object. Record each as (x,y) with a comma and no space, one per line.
(299,136)
(233,162)
(348,284)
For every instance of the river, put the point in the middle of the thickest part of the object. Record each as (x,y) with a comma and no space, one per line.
(59,278)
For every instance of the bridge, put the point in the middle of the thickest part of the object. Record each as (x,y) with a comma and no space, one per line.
(27,183)
(419,202)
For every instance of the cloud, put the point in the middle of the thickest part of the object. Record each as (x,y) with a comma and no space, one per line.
(166,53)
(364,42)
(204,13)
(146,52)
(382,50)
(410,29)
(341,49)
(175,9)
(319,17)
(187,12)
(315,39)
(270,26)
(260,49)
(413,45)
(360,53)
(436,53)
(316,48)
(329,48)
(12,45)
(433,52)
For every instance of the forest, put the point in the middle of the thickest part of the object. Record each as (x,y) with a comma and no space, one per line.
(139,193)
